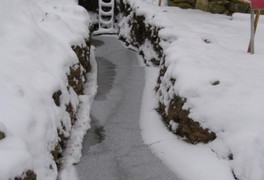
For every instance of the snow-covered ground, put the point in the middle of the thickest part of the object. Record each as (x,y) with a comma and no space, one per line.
(224,86)
(35,55)
(201,49)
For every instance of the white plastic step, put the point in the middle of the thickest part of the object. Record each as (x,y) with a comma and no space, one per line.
(106,17)
(106,4)
(107,13)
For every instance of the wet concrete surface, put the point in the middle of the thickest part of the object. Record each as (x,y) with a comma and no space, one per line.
(113,148)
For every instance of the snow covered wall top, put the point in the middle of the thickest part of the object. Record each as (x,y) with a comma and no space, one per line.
(35,53)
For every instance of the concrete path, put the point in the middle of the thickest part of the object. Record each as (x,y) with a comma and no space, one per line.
(113,148)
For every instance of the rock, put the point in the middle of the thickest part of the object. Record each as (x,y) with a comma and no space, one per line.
(2,135)
(171,3)
(138,30)
(202,5)
(76,78)
(227,12)
(83,54)
(216,8)
(194,133)
(241,7)
(140,33)
(192,2)
(28,175)
(185,5)
(187,128)
(179,1)
(56,97)
(221,2)
(71,112)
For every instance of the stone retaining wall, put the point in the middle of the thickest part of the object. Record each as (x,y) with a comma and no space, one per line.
(76,79)
(146,38)
(214,6)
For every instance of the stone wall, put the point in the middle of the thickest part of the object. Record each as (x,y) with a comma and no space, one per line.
(214,6)
(76,76)
(145,37)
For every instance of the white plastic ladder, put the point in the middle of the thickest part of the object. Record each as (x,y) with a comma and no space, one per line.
(106,17)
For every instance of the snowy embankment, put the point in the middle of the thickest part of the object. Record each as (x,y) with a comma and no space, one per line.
(44,55)
(205,78)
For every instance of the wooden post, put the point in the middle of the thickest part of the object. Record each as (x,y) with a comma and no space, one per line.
(254,25)
(159,2)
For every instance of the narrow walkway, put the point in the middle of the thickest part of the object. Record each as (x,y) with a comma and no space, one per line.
(119,153)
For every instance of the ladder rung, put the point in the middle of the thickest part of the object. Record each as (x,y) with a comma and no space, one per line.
(106,21)
(106,13)
(110,4)
(106,26)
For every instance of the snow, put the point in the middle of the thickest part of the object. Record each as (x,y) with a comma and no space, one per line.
(200,49)
(35,54)
(72,154)
(187,161)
